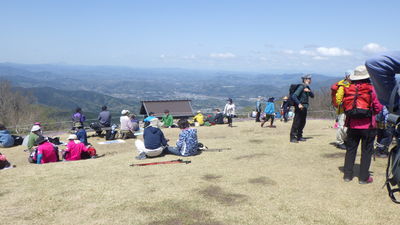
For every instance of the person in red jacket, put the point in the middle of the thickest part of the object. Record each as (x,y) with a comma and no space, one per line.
(360,106)
(46,152)
(74,149)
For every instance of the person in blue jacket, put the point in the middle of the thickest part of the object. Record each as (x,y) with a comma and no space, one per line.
(269,112)
(187,144)
(6,140)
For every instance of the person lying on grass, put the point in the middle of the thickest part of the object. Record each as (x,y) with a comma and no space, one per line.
(187,145)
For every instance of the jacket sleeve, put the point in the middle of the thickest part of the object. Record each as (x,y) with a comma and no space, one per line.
(376,105)
(180,141)
(295,96)
(340,95)
(225,108)
(311,93)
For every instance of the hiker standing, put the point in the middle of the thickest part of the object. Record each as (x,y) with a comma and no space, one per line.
(341,117)
(360,105)
(269,112)
(229,111)
(300,98)
(258,109)
(285,108)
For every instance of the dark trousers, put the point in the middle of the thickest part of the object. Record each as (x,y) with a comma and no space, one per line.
(299,122)
(258,116)
(354,136)
(229,119)
(285,115)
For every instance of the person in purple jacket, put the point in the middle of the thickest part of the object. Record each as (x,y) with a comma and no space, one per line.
(78,118)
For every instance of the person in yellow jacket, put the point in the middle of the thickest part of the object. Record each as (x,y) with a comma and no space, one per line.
(341,117)
(199,118)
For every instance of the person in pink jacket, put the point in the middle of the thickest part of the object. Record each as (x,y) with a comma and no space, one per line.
(361,105)
(46,152)
(74,149)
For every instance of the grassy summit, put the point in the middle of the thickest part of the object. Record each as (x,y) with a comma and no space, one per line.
(263,179)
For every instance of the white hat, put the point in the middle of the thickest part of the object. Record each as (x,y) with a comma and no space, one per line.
(35,128)
(124,112)
(155,123)
(199,111)
(360,73)
(72,137)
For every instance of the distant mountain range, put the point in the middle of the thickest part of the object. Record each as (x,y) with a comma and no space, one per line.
(90,87)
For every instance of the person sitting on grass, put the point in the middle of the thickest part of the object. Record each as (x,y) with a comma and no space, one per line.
(6,140)
(167,119)
(81,134)
(187,144)
(4,163)
(154,141)
(134,122)
(126,128)
(33,136)
(46,152)
(269,112)
(199,118)
(74,149)
(219,117)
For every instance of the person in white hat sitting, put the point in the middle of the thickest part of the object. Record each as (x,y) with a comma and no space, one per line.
(74,149)
(33,136)
(126,126)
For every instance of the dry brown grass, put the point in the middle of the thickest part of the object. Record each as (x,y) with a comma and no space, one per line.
(263,179)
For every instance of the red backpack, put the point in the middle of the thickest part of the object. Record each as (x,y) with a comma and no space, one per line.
(357,100)
(334,89)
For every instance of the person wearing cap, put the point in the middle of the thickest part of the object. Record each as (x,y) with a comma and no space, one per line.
(6,140)
(341,116)
(300,97)
(269,112)
(104,119)
(78,118)
(258,109)
(126,127)
(33,136)
(81,134)
(360,127)
(149,117)
(383,69)
(154,141)
(167,119)
(46,152)
(229,111)
(285,108)
(74,149)
(199,118)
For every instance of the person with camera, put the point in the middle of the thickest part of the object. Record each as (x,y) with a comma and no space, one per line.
(360,105)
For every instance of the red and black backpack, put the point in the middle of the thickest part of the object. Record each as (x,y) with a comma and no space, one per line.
(357,100)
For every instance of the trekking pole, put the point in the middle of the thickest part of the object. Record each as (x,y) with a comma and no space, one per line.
(162,162)
(215,149)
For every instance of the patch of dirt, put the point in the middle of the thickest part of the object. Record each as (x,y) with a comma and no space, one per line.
(334,155)
(223,197)
(209,177)
(256,141)
(177,213)
(263,181)
(250,156)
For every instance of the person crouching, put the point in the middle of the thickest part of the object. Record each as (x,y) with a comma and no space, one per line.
(74,149)
(154,141)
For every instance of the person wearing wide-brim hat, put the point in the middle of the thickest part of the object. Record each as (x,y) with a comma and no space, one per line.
(360,104)
(33,136)
(285,108)
(46,152)
(300,98)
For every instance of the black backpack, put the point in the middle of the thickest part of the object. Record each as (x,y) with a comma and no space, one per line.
(292,89)
(18,140)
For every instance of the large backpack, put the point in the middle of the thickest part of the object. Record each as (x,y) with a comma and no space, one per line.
(334,89)
(292,89)
(357,100)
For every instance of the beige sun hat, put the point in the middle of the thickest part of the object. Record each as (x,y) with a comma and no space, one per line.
(124,112)
(155,122)
(285,98)
(360,73)
(35,128)
(72,137)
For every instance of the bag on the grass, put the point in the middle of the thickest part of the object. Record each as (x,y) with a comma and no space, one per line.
(393,173)
(18,140)
(96,126)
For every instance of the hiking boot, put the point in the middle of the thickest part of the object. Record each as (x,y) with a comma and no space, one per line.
(347,179)
(141,156)
(368,181)
(294,140)
(341,146)
(301,139)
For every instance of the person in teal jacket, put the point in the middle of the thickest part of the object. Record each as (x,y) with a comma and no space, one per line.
(269,112)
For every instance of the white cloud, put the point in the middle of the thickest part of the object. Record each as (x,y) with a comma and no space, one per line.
(320,57)
(324,51)
(307,52)
(372,48)
(226,55)
(288,51)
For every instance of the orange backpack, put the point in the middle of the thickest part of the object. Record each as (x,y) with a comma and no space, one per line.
(357,100)
(334,89)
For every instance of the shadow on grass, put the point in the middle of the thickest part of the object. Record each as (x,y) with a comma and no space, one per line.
(356,170)
(210,177)
(252,156)
(334,155)
(266,181)
(172,212)
(216,193)
(256,141)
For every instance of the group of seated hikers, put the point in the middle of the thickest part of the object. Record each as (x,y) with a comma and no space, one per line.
(156,144)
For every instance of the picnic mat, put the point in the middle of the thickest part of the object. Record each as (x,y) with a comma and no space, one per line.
(111,142)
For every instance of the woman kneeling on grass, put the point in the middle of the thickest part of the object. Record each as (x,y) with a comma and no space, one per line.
(187,144)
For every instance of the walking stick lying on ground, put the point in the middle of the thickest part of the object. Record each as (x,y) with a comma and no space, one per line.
(162,162)
(215,149)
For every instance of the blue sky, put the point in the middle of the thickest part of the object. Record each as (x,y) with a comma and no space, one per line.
(263,36)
